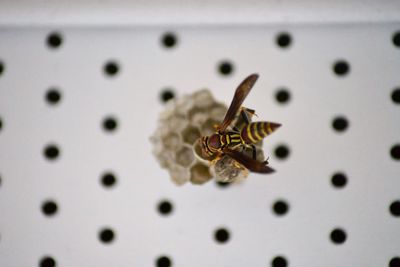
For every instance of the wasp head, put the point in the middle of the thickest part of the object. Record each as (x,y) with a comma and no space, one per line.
(214,142)
(210,144)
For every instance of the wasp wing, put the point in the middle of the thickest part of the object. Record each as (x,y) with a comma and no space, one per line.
(240,95)
(251,164)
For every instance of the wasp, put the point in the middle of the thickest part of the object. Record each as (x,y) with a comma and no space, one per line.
(231,140)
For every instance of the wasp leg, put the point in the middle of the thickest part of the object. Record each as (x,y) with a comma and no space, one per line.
(250,111)
(253,150)
(244,113)
(253,147)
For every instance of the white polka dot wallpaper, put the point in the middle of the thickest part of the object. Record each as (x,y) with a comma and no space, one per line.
(80,186)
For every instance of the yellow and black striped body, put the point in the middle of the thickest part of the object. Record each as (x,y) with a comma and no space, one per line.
(256,131)
(231,140)
(250,134)
(219,141)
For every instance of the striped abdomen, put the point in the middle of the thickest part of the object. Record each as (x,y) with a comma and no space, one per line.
(256,131)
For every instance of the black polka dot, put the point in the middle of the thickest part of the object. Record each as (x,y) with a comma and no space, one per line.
(1,124)
(169,40)
(167,94)
(221,235)
(108,179)
(282,96)
(163,261)
(106,235)
(49,208)
(340,124)
(110,124)
(283,40)
(396,96)
(394,262)
(53,96)
(395,208)
(395,152)
(51,152)
(165,207)
(396,39)
(279,261)
(339,180)
(282,152)
(280,207)
(1,68)
(338,236)
(341,68)
(47,261)
(225,68)
(54,40)
(223,184)
(111,68)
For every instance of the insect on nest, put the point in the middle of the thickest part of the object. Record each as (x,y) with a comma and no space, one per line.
(193,146)
(231,139)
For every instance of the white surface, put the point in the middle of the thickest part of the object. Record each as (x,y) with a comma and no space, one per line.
(192,12)
(186,235)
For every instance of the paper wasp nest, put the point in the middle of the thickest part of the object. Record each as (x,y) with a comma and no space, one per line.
(180,125)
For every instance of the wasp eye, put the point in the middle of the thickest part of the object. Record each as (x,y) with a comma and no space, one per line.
(214,141)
